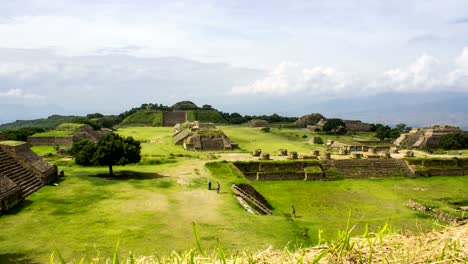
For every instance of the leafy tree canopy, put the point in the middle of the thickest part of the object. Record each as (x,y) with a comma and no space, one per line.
(110,150)
(454,141)
(185,105)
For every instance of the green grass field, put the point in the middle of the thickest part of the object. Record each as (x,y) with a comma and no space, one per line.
(150,208)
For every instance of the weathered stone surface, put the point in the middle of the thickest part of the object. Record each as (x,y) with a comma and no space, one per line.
(21,173)
(293,155)
(310,119)
(257,153)
(283,152)
(201,136)
(357,125)
(172,118)
(425,137)
(258,123)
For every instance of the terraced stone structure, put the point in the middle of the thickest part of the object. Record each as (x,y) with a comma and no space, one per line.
(370,168)
(82,132)
(357,125)
(274,171)
(425,137)
(201,136)
(173,118)
(21,173)
(258,123)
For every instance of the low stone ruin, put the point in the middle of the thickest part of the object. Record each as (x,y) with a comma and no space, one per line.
(357,125)
(283,152)
(343,151)
(201,136)
(83,132)
(258,123)
(276,171)
(265,156)
(308,120)
(315,153)
(257,153)
(21,173)
(293,155)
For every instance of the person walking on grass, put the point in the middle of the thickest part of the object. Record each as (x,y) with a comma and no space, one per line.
(209,184)
(293,211)
(218,187)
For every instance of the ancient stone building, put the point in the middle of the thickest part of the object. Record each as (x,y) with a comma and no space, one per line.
(84,131)
(172,118)
(425,137)
(258,123)
(201,136)
(357,125)
(21,173)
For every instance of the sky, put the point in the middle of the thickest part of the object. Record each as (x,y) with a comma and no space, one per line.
(379,61)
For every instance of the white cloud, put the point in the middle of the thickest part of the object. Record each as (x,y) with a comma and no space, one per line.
(20,94)
(420,76)
(462,60)
(423,75)
(289,78)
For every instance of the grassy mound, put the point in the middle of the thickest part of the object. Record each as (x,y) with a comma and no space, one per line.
(144,117)
(205,116)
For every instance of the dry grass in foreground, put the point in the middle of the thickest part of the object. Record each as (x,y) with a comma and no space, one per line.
(446,246)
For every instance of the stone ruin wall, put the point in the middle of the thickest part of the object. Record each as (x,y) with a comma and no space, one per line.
(35,164)
(87,132)
(357,125)
(51,141)
(271,171)
(439,167)
(367,168)
(170,119)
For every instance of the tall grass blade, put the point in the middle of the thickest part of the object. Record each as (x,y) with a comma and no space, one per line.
(197,240)
(115,258)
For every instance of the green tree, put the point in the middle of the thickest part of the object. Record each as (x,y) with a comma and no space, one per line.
(83,152)
(185,105)
(333,124)
(382,132)
(109,151)
(453,141)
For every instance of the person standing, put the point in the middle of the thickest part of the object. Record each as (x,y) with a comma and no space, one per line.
(293,211)
(218,187)
(209,183)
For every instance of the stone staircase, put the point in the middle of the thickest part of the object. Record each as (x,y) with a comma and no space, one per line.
(368,168)
(406,168)
(420,142)
(22,177)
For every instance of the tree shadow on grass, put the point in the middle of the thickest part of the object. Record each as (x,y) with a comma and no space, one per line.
(130,175)
(18,208)
(15,258)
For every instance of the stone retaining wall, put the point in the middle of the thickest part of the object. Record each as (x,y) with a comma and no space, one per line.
(51,141)
(170,119)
